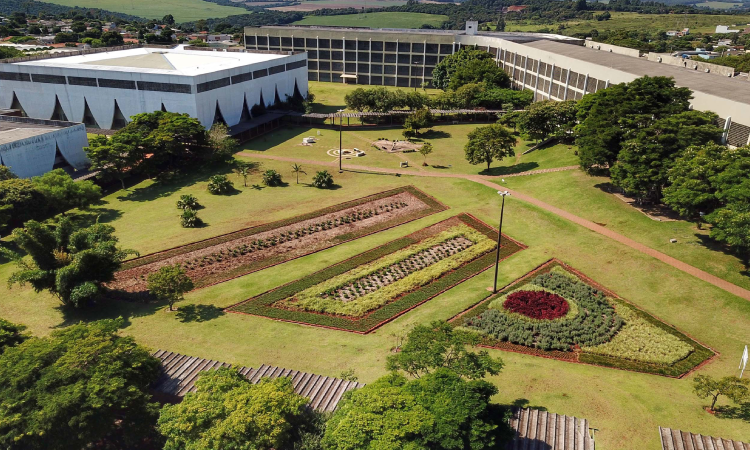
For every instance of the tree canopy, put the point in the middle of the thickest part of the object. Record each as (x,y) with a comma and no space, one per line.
(440,410)
(610,117)
(79,387)
(547,118)
(227,411)
(68,262)
(440,346)
(169,284)
(489,143)
(468,65)
(63,193)
(11,334)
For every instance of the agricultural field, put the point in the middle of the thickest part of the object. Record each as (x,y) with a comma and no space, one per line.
(625,406)
(375,20)
(182,10)
(698,23)
(312,5)
(364,292)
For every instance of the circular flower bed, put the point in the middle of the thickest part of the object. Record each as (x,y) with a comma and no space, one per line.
(539,305)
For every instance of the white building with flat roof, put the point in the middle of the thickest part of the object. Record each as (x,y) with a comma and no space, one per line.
(104,89)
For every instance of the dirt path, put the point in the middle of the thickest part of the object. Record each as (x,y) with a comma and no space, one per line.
(488,181)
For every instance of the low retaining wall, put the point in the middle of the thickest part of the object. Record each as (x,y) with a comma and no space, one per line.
(634,52)
(690,64)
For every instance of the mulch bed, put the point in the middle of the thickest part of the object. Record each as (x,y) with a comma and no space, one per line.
(225,257)
(264,304)
(699,357)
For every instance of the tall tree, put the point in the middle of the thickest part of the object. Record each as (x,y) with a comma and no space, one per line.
(489,143)
(611,116)
(439,345)
(82,387)
(464,62)
(111,157)
(297,169)
(70,263)
(731,225)
(227,411)
(440,410)
(547,118)
(644,161)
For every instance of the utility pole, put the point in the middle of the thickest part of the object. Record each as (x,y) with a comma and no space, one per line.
(499,237)
(341,130)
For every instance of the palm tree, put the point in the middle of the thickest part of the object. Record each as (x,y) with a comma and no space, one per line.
(297,169)
(243,170)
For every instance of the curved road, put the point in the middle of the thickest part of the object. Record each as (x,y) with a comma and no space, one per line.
(487,181)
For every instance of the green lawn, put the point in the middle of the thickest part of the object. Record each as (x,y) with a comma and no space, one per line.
(182,10)
(698,23)
(329,97)
(447,158)
(625,407)
(587,197)
(376,20)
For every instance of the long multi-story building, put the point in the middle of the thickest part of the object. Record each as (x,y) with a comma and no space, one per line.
(553,67)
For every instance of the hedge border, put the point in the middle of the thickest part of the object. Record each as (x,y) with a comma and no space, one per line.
(260,305)
(700,356)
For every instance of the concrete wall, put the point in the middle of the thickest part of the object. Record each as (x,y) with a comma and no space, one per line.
(34,156)
(689,64)
(634,52)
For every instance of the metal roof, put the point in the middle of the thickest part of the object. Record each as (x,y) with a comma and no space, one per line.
(682,440)
(179,373)
(544,430)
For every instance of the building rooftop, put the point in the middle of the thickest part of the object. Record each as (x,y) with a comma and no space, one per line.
(735,89)
(682,440)
(16,128)
(175,61)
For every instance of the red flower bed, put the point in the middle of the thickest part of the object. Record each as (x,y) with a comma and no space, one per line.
(537,304)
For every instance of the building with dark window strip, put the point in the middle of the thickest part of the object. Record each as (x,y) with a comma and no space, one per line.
(553,67)
(105,89)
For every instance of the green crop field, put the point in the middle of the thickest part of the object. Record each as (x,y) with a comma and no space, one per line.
(698,23)
(376,20)
(182,10)
(626,408)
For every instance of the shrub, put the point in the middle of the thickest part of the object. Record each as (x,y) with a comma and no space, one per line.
(188,201)
(189,218)
(323,180)
(537,304)
(220,185)
(271,178)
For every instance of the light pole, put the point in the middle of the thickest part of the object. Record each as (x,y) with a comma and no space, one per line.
(341,129)
(503,194)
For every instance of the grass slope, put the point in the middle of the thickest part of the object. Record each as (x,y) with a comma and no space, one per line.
(182,10)
(698,23)
(376,20)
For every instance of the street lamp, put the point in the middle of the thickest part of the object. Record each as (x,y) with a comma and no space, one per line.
(503,194)
(341,129)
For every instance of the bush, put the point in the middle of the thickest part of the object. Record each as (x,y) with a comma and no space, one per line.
(323,180)
(537,304)
(189,218)
(219,185)
(188,201)
(271,178)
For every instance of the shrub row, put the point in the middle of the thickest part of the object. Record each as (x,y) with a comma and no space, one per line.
(262,304)
(596,322)
(286,236)
(433,207)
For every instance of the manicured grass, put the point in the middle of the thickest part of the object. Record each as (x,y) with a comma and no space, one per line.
(625,407)
(448,143)
(588,197)
(182,10)
(376,20)
(698,23)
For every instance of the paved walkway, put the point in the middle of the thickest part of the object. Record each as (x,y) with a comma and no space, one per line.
(489,181)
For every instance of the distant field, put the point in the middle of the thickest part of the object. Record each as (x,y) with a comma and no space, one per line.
(182,10)
(698,23)
(719,5)
(310,5)
(376,20)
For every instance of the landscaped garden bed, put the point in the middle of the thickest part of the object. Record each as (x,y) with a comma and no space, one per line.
(372,288)
(556,312)
(228,256)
